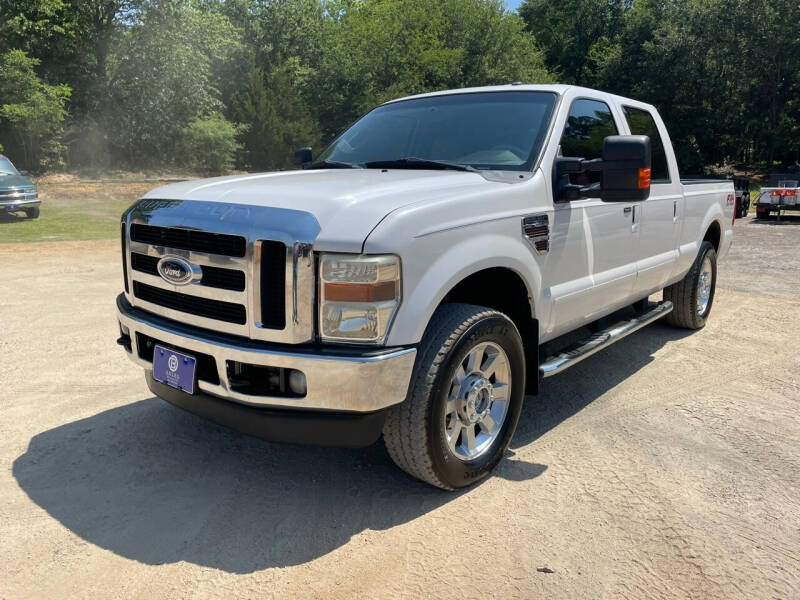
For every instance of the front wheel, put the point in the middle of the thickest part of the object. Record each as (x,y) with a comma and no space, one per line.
(32,213)
(693,295)
(464,399)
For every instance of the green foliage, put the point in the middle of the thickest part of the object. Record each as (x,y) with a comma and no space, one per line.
(278,120)
(161,78)
(208,144)
(32,112)
(725,74)
(381,49)
(572,31)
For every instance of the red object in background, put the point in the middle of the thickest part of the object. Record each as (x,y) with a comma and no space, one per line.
(776,193)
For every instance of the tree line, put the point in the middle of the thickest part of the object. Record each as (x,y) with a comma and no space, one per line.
(214,84)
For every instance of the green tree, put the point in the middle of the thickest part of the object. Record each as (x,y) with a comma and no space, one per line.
(380,49)
(571,31)
(161,77)
(73,40)
(31,112)
(278,121)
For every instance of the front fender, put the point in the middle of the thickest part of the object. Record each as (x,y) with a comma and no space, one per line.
(456,257)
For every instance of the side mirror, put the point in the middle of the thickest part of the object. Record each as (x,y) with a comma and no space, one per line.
(626,165)
(302,157)
(24,173)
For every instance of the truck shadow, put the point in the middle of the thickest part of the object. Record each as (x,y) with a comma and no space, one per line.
(157,485)
(7,217)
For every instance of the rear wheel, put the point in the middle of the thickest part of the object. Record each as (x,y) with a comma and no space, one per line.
(693,295)
(464,398)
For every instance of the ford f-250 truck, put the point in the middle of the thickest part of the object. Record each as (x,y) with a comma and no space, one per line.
(406,281)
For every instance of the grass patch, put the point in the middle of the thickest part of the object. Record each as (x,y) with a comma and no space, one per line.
(74,211)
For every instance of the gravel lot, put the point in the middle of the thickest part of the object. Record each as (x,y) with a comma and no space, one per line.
(665,467)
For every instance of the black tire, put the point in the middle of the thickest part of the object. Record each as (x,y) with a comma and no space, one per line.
(414,430)
(32,213)
(746,201)
(683,294)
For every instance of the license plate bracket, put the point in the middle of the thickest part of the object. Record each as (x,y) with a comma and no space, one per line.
(174,369)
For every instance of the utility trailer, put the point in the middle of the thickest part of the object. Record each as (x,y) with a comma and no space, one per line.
(782,195)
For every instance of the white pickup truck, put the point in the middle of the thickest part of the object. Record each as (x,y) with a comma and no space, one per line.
(412,281)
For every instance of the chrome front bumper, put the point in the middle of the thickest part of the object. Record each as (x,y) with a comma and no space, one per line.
(337,381)
(20,202)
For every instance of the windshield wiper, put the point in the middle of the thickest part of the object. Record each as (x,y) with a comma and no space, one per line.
(335,164)
(412,162)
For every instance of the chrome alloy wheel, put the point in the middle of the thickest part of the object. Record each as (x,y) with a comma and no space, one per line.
(477,401)
(704,281)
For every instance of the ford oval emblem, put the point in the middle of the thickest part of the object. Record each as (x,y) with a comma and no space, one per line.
(178,271)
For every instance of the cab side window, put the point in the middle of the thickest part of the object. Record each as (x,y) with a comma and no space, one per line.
(642,122)
(588,124)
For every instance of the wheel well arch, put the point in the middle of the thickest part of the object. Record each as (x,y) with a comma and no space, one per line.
(504,290)
(713,235)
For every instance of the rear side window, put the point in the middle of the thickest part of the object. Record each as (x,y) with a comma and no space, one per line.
(642,122)
(588,124)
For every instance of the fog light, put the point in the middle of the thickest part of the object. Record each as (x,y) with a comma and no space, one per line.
(297,382)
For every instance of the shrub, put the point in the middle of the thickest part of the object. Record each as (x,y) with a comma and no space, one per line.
(209,144)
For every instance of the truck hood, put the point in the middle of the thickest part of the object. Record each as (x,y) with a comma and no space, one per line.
(15,182)
(347,203)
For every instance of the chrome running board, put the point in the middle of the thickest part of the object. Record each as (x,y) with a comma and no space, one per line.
(600,340)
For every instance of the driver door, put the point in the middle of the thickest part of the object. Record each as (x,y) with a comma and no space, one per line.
(607,231)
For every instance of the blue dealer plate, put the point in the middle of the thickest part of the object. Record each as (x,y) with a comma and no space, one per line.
(174,369)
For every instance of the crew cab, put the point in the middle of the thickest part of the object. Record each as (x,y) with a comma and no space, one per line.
(414,278)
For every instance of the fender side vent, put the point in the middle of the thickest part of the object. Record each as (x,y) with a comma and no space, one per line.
(536,230)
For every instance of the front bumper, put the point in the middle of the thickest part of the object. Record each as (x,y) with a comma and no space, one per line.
(19,203)
(338,380)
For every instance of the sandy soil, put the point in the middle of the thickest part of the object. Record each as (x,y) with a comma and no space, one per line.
(665,467)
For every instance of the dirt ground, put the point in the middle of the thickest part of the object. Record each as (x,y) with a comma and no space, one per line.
(667,466)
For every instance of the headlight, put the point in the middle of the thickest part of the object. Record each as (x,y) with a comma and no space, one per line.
(359,296)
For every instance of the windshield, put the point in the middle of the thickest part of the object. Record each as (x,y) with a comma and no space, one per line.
(487,130)
(6,168)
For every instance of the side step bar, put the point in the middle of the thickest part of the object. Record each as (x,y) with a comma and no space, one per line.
(602,339)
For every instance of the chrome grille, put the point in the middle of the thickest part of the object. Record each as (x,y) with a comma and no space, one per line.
(188,239)
(229,312)
(224,279)
(250,286)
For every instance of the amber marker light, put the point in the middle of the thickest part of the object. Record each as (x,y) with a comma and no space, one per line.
(644,178)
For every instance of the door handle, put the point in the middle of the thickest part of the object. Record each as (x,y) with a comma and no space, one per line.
(627,210)
(674,211)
